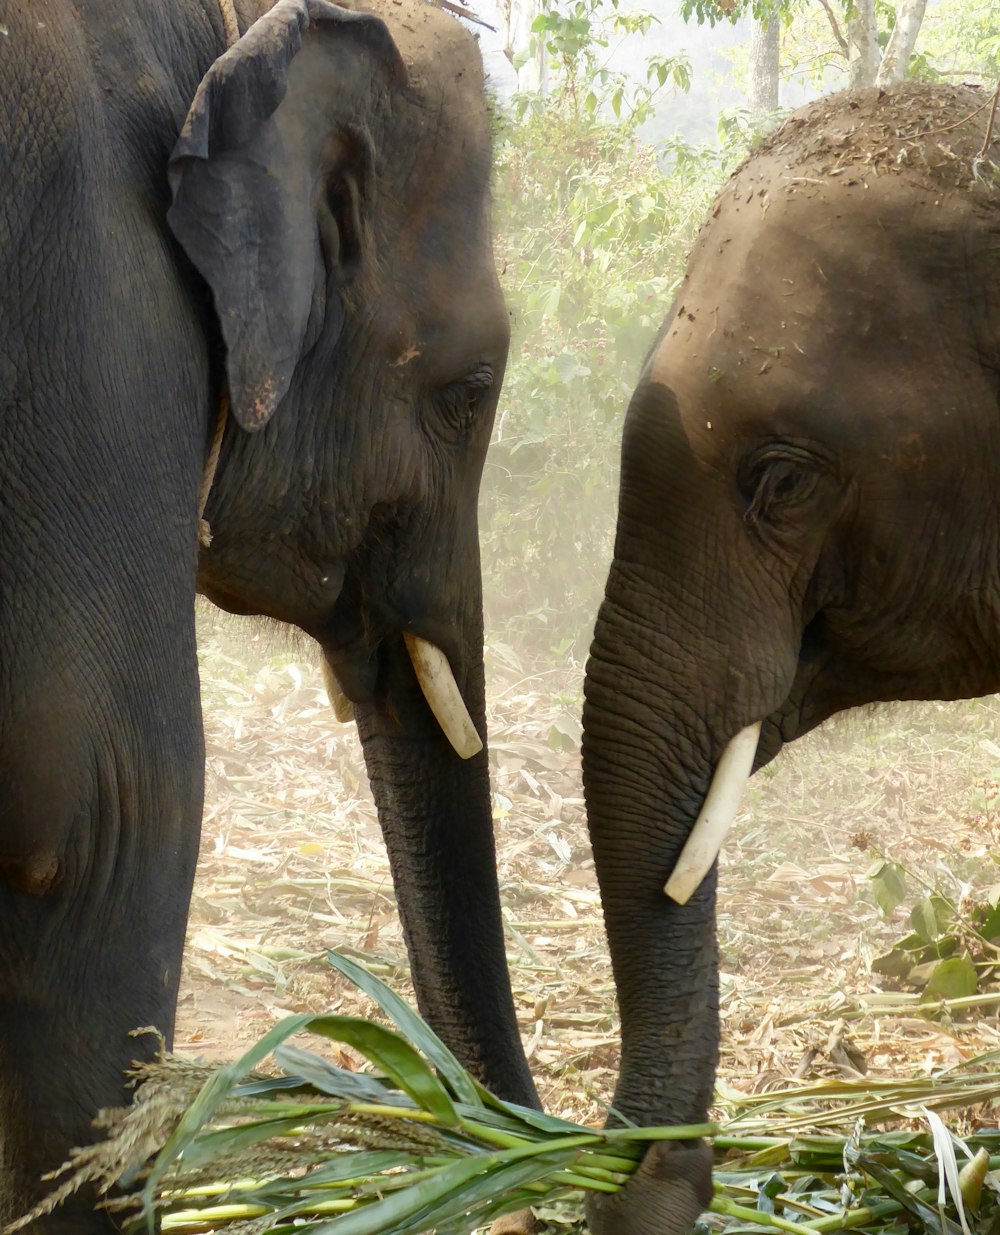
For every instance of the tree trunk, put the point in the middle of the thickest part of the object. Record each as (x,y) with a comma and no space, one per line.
(765,44)
(516,17)
(896,59)
(863,48)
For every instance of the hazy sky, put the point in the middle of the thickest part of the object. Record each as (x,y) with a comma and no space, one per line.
(693,115)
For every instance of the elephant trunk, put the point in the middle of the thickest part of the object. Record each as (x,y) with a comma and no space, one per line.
(643,794)
(435,811)
(667,691)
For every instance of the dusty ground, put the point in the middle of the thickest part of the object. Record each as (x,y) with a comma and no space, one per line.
(292,864)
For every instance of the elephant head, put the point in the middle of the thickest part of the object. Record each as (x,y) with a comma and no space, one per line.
(330,185)
(806,523)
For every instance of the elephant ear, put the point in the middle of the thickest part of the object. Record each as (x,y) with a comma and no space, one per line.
(273,181)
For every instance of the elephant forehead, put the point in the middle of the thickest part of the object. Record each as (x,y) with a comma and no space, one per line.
(436,275)
(453,332)
(434,46)
(825,263)
(443,226)
(841,283)
(441,317)
(435,189)
(793,305)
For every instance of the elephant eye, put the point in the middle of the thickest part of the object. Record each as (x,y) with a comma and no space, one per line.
(458,404)
(776,480)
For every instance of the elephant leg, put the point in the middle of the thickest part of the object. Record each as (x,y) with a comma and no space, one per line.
(100,804)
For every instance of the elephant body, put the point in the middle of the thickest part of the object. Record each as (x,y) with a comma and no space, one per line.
(807,522)
(296,229)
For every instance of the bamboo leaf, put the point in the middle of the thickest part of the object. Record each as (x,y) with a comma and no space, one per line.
(527,1117)
(944,1151)
(356,1165)
(222,1142)
(268,1085)
(394,1056)
(303,1200)
(212,1094)
(341,1167)
(479,1198)
(387,1050)
(935,1222)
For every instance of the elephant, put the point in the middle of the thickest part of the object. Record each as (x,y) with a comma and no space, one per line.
(806,523)
(251,344)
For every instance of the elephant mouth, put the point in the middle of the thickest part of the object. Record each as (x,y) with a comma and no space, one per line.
(356,671)
(351,656)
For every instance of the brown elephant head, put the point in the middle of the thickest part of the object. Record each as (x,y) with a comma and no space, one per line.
(807,522)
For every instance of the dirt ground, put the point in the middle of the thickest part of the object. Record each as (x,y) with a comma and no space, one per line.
(292,864)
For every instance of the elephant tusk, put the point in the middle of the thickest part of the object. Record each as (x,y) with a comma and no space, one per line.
(443,696)
(343,708)
(716,817)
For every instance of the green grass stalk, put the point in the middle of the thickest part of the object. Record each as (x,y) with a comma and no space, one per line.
(854,1217)
(730,1209)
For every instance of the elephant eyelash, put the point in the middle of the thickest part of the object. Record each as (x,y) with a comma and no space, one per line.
(778,481)
(481,378)
(459,403)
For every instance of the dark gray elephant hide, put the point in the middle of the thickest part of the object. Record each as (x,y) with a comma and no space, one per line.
(298,226)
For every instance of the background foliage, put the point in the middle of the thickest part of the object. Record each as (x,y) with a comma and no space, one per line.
(594,226)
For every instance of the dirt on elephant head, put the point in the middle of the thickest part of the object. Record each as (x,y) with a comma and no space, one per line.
(941,141)
(943,131)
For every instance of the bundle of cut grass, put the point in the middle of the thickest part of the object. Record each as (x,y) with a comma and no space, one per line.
(421,1146)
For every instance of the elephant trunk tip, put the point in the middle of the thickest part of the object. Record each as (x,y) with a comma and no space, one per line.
(670,1189)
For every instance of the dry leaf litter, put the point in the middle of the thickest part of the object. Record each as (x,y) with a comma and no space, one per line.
(292,864)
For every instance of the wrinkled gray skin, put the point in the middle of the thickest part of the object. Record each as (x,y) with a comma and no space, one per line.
(808,521)
(317,241)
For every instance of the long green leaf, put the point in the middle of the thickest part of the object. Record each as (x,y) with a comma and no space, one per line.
(468,1202)
(268,1085)
(307,1069)
(515,1199)
(387,1050)
(932,1221)
(357,1165)
(221,1142)
(528,1117)
(302,1199)
(413,1027)
(315,1071)
(401,1062)
(212,1094)
(944,1151)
